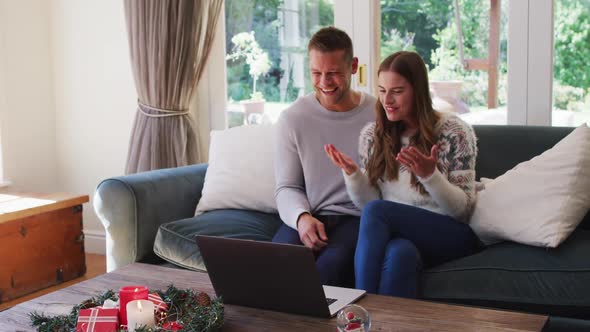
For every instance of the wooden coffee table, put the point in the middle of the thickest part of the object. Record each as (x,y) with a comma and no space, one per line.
(387,313)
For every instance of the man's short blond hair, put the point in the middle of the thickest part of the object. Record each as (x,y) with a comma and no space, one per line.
(331,39)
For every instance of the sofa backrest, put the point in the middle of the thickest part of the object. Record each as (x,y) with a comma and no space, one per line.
(500,148)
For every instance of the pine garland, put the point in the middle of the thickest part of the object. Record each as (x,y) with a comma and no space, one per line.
(194,310)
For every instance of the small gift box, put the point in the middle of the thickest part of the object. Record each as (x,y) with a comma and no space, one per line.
(98,320)
(159,305)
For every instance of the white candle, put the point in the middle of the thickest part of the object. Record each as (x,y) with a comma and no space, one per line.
(140,313)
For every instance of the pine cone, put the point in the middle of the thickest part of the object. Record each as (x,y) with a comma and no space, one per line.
(90,303)
(203,299)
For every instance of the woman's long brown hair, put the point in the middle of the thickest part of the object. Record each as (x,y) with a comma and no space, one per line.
(382,163)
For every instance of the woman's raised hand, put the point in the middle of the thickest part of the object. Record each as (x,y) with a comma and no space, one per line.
(340,159)
(420,164)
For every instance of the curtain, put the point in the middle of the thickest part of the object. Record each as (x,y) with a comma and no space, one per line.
(169,42)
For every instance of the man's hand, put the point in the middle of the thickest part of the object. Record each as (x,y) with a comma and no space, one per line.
(311,232)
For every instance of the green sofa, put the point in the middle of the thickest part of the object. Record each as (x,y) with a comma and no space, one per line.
(149,217)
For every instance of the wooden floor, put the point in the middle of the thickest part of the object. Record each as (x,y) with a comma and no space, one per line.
(95,265)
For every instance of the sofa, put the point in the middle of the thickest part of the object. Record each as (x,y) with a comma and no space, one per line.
(149,217)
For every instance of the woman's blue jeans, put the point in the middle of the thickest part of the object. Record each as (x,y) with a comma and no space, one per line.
(396,241)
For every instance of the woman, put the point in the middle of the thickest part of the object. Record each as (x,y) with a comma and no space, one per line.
(416,187)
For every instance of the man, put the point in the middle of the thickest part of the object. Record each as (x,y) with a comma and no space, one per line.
(311,195)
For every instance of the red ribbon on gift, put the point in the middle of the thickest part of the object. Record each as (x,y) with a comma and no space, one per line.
(98,320)
(159,305)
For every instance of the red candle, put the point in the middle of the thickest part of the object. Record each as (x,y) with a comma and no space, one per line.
(127,294)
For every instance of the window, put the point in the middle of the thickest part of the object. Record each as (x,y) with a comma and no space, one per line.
(571,77)
(525,83)
(266,47)
(467,64)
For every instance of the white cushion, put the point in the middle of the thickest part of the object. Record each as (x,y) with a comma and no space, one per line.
(541,201)
(240,174)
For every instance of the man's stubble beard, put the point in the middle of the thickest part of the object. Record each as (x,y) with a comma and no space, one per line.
(339,99)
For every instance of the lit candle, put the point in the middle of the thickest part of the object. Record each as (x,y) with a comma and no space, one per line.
(128,294)
(140,313)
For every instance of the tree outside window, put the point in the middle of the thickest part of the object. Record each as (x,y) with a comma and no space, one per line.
(281,30)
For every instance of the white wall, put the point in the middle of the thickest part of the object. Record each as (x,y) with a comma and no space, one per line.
(95,99)
(27,112)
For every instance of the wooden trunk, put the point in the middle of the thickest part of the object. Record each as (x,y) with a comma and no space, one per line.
(41,242)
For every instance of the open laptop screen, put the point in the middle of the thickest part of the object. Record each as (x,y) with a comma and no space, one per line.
(264,275)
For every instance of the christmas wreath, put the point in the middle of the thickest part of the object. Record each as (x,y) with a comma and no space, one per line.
(186,310)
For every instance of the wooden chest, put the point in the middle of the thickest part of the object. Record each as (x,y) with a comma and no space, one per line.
(41,241)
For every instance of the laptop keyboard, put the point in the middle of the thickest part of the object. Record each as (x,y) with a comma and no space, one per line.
(330,301)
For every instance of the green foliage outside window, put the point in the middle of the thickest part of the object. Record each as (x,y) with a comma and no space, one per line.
(430,26)
(426,26)
(571,89)
(475,31)
(262,18)
(436,39)
(402,20)
(246,47)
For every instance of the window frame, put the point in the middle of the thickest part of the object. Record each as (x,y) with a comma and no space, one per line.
(530,62)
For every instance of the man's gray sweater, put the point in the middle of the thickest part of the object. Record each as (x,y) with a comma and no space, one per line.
(307,181)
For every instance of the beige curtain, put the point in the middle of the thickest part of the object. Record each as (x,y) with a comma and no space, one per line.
(169,42)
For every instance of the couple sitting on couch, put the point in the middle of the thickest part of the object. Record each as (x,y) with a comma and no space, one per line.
(415,184)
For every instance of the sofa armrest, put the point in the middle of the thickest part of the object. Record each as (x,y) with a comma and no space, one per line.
(132,208)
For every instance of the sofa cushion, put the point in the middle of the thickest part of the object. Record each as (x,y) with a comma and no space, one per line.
(175,241)
(241,170)
(540,201)
(520,277)
(525,142)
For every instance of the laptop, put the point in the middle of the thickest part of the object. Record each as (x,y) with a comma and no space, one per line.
(271,276)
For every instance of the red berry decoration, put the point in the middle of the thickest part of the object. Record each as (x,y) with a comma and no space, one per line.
(352,326)
(353,318)
(172,326)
